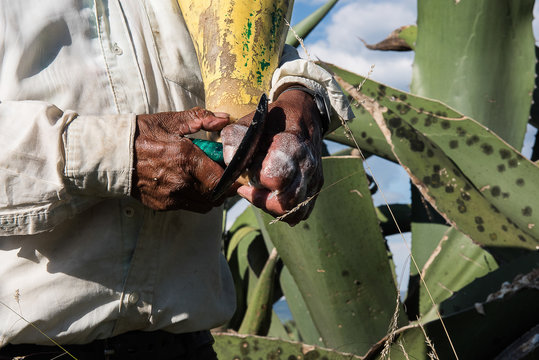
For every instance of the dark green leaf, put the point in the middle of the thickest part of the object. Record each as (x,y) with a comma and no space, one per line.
(470,196)
(338,260)
(260,303)
(478,333)
(401,39)
(301,314)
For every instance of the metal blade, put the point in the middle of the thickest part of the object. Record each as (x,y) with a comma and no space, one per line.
(245,152)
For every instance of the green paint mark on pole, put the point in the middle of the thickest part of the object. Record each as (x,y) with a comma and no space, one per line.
(276,20)
(264,65)
(246,34)
(259,74)
(248,31)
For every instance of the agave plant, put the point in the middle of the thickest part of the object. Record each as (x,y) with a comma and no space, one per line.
(474,288)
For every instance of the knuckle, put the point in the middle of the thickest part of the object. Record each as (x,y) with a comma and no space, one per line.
(279,164)
(233,134)
(198,113)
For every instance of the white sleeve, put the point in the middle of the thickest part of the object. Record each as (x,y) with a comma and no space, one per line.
(55,163)
(294,69)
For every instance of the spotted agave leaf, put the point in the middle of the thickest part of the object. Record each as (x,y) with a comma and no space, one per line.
(477,181)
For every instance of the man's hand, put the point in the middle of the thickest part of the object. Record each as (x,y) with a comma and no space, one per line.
(171,172)
(287,169)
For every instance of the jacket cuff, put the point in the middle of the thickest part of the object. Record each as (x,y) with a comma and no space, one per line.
(99,154)
(314,77)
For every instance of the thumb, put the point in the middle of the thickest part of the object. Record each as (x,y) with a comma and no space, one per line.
(196,119)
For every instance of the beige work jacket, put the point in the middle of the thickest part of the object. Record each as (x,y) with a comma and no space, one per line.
(79,258)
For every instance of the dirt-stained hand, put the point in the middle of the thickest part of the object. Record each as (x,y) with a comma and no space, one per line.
(288,168)
(171,172)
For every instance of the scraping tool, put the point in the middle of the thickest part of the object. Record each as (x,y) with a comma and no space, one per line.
(244,154)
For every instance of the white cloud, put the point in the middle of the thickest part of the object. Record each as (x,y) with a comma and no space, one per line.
(390,69)
(371,21)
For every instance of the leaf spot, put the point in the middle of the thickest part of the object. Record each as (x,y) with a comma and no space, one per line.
(527,211)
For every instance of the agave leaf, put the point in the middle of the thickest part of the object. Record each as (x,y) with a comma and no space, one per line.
(348,152)
(401,39)
(245,277)
(409,34)
(455,263)
(402,213)
(246,218)
(485,68)
(503,176)
(419,129)
(243,347)
(308,332)
(425,238)
(261,301)
(459,73)
(494,328)
(534,110)
(479,289)
(277,329)
(352,302)
(239,235)
(525,347)
(247,255)
(305,26)
(292,331)
(365,132)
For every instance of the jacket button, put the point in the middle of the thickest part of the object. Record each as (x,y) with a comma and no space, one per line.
(129,211)
(117,49)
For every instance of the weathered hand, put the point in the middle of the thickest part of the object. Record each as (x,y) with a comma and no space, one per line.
(288,168)
(171,172)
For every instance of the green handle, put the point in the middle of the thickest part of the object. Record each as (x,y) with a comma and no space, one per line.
(213,149)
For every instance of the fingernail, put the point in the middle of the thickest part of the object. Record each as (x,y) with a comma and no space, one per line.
(221,115)
(243,190)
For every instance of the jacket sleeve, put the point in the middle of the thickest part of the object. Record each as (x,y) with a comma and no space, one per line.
(55,163)
(294,69)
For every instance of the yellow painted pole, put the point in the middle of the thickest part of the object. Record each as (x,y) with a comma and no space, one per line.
(238,44)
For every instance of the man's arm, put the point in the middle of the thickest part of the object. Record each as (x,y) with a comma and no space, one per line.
(55,163)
